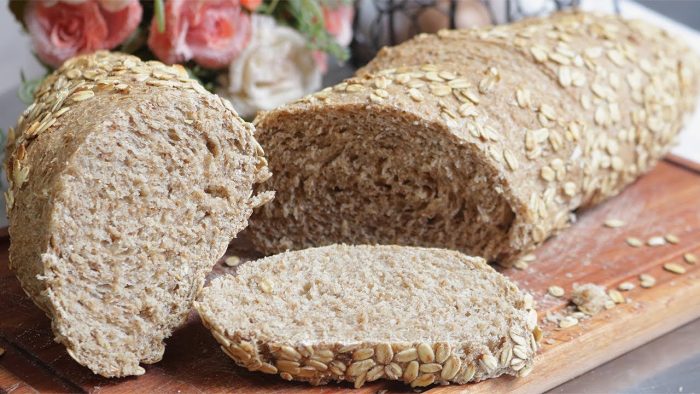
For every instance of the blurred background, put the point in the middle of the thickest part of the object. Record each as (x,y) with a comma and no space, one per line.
(683,11)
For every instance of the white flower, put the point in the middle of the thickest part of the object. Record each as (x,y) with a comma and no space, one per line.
(276,67)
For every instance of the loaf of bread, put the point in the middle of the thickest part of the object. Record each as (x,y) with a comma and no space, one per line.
(361,313)
(127,182)
(483,141)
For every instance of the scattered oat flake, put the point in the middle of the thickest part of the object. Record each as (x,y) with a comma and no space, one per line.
(232,261)
(690,258)
(672,239)
(555,291)
(634,242)
(647,281)
(528,258)
(646,277)
(625,286)
(568,321)
(2,351)
(614,223)
(616,296)
(674,268)
(520,264)
(579,315)
(656,241)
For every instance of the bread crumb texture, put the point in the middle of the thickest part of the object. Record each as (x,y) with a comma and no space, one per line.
(127,181)
(361,313)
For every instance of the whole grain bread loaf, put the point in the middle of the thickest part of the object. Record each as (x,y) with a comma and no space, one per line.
(484,141)
(361,313)
(127,181)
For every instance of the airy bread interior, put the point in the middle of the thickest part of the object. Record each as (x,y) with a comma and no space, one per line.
(144,208)
(350,294)
(376,176)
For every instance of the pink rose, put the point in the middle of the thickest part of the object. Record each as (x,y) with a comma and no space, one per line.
(211,32)
(63,29)
(338,22)
(321,59)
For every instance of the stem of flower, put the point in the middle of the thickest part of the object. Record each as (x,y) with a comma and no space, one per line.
(160,15)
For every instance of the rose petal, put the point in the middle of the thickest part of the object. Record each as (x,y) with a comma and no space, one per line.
(64,30)
(170,46)
(219,32)
(338,22)
(321,59)
(121,24)
(251,5)
(114,5)
(210,32)
(72,1)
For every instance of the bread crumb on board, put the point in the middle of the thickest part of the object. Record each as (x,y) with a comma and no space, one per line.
(590,298)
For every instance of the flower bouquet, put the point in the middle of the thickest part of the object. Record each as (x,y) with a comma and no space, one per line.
(258,54)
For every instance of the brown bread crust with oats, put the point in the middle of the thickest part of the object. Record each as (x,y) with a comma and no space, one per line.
(361,313)
(482,141)
(127,181)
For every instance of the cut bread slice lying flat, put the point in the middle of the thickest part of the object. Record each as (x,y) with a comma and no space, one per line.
(361,313)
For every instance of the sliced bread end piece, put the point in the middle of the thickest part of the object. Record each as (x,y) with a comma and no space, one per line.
(123,201)
(361,313)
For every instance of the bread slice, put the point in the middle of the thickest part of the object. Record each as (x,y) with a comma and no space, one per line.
(483,141)
(128,180)
(360,313)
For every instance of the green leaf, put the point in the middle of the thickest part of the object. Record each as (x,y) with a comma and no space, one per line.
(134,41)
(205,76)
(3,139)
(27,88)
(306,17)
(268,8)
(160,15)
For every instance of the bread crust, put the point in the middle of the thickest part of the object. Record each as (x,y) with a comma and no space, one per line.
(77,106)
(564,112)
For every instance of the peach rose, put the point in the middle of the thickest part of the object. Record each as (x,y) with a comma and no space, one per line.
(338,22)
(63,29)
(251,5)
(211,32)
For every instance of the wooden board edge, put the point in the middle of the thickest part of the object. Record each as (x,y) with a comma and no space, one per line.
(654,313)
(683,162)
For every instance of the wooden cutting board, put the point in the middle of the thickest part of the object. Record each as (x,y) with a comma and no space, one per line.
(667,200)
